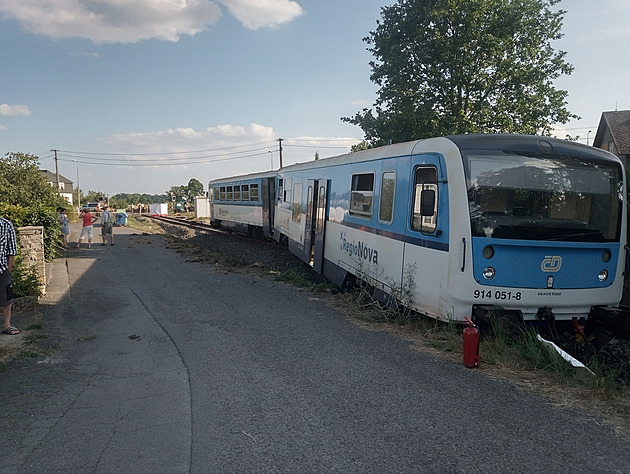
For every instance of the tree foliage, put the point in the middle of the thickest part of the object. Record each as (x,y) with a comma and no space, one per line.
(465,66)
(23,184)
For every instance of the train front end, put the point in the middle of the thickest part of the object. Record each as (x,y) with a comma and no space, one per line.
(548,228)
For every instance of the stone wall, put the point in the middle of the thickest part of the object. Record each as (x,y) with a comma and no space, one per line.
(32,250)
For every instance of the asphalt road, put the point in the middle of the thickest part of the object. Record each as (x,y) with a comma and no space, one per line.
(166,366)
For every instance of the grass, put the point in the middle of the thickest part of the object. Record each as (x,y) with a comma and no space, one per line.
(144,224)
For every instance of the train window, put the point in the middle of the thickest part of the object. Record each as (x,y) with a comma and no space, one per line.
(253,192)
(388,190)
(245,192)
(280,189)
(321,210)
(425,200)
(230,193)
(237,193)
(215,192)
(287,191)
(223,194)
(362,194)
(297,202)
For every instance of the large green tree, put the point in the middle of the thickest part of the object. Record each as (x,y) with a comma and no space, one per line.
(465,66)
(23,184)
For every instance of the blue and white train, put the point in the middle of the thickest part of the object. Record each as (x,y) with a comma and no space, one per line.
(458,226)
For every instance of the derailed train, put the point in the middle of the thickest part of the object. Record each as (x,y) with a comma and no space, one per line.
(521,226)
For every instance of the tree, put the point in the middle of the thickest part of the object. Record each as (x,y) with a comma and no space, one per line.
(195,188)
(23,184)
(465,66)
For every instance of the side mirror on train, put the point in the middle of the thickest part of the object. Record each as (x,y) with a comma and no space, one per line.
(427,202)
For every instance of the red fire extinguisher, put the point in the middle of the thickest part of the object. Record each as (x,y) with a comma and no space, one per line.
(471,345)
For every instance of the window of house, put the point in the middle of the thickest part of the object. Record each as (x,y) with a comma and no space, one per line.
(425,200)
(388,191)
(361,195)
(297,202)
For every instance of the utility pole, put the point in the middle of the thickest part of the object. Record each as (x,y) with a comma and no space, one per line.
(280,150)
(57,171)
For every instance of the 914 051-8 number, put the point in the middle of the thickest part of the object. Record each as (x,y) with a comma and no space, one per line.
(497,295)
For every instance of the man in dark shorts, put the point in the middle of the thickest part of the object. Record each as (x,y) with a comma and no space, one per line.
(107,225)
(8,250)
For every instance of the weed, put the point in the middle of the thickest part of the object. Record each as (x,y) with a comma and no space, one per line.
(25,354)
(30,339)
(35,325)
(87,338)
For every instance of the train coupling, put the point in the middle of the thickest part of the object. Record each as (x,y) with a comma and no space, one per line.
(486,315)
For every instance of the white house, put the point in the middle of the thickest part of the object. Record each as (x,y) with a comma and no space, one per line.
(66,187)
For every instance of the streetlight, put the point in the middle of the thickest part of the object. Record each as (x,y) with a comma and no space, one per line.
(78,188)
(587,134)
(271,154)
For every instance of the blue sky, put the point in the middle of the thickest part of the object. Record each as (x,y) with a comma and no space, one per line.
(146,94)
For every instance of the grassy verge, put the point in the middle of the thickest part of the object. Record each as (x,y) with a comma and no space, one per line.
(144,224)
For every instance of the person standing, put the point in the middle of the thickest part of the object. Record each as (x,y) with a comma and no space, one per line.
(65,226)
(8,250)
(107,225)
(88,227)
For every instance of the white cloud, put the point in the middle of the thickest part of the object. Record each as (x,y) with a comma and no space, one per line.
(129,21)
(254,14)
(14,110)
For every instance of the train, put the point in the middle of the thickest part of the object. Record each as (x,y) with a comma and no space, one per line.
(524,227)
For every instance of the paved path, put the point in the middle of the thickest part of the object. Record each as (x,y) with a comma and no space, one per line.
(165,366)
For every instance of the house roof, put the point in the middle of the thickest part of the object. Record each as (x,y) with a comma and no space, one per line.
(618,123)
(52,177)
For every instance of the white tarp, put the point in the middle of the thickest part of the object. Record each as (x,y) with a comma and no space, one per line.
(569,358)
(158,209)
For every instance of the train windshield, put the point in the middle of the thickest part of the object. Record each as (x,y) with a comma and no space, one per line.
(543,197)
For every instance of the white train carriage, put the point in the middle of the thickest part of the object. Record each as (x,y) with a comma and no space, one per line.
(463,225)
(243,203)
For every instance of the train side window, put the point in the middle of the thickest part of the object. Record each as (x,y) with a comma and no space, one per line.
(245,192)
(287,192)
(321,210)
(297,202)
(237,193)
(230,193)
(253,192)
(215,193)
(388,191)
(425,200)
(280,189)
(223,194)
(361,195)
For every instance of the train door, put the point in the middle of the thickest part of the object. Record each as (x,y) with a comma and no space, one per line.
(320,196)
(309,225)
(268,202)
(425,257)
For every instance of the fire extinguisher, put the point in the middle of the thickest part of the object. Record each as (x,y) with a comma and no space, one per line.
(471,345)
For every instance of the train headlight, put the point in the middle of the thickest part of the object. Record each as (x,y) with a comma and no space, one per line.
(488,273)
(488,252)
(603,275)
(606,255)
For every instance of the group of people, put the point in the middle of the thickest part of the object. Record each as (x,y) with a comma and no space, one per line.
(8,251)
(87,230)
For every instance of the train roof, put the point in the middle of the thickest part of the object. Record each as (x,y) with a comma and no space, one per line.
(244,177)
(506,142)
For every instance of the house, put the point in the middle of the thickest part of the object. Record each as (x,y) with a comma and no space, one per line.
(613,134)
(66,187)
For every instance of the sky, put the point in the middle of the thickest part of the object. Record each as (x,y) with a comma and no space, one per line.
(138,96)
